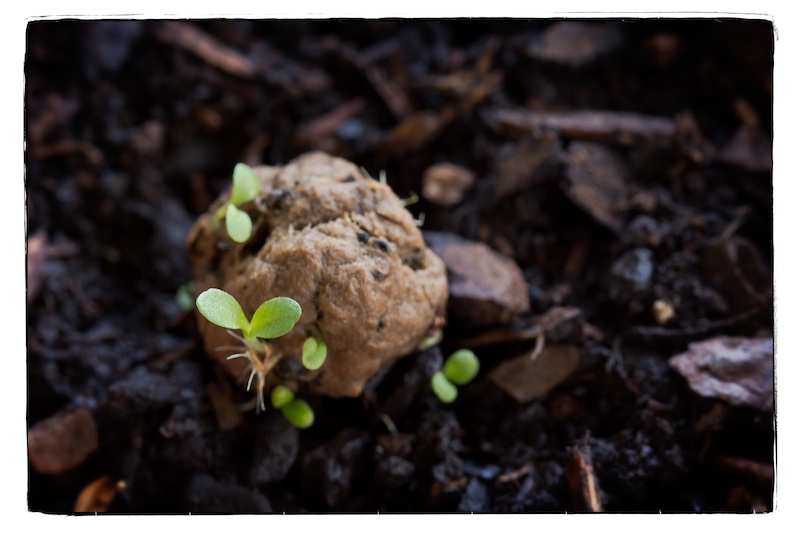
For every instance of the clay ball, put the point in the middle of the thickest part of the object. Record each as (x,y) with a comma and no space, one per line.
(345,248)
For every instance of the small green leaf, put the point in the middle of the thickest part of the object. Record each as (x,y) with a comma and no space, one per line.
(445,390)
(299,413)
(222,309)
(185,295)
(275,317)
(314,353)
(238,224)
(245,184)
(281,396)
(461,367)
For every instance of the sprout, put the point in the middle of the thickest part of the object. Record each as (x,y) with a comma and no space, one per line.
(460,368)
(281,396)
(299,413)
(272,319)
(245,188)
(295,410)
(445,390)
(314,353)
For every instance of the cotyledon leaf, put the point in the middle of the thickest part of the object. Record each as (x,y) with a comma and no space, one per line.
(275,317)
(222,309)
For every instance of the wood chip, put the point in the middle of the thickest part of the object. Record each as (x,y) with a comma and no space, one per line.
(96,497)
(583,484)
(63,441)
(526,379)
(617,127)
(326,125)
(190,38)
(37,255)
(737,370)
(599,182)
(486,288)
(527,163)
(576,43)
(749,149)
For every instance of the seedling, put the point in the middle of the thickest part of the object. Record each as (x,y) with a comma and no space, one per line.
(460,368)
(184,296)
(295,410)
(245,188)
(314,353)
(272,319)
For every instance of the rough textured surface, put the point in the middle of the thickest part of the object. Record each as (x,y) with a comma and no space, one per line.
(342,245)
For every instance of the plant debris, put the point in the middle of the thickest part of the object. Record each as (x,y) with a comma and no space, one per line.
(532,375)
(737,370)
(63,441)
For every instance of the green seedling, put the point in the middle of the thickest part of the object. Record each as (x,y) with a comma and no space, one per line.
(272,319)
(314,353)
(460,368)
(245,188)
(299,413)
(184,296)
(295,410)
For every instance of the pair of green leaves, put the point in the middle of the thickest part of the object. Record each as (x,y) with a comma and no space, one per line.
(245,188)
(315,351)
(295,410)
(460,368)
(272,319)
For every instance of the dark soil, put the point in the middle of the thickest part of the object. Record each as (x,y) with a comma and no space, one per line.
(133,128)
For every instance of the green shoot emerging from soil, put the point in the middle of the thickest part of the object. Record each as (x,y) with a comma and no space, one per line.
(314,353)
(295,410)
(272,319)
(459,369)
(245,188)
